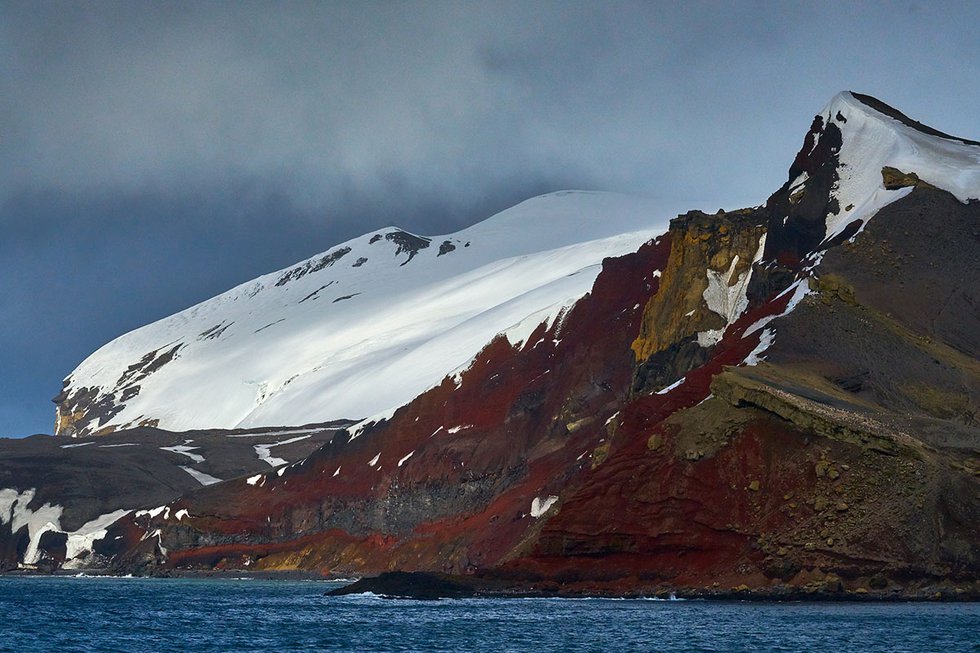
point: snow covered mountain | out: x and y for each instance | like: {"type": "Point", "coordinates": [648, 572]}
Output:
{"type": "Point", "coordinates": [780, 399]}
{"type": "Point", "coordinates": [360, 329]}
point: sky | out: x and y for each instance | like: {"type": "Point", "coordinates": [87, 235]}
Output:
{"type": "Point", "coordinates": [155, 154]}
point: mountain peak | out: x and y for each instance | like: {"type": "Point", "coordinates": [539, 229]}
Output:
{"type": "Point", "coordinates": [849, 146]}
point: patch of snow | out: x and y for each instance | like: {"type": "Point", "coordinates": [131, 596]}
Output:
{"type": "Point", "coordinates": [8, 498]}
{"type": "Point", "coordinates": [153, 513]}
{"type": "Point", "coordinates": [710, 396]}
{"type": "Point", "coordinates": [673, 385]}
{"type": "Point", "coordinates": [38, 522]}
{"type": "Point", "coordinates": [407, 456]}
{"type": "Point", "coordinates": [800, 180]}
{"type": "Point", "coordinates": [121, 444]}
{"type": "Point", "coordinates": [184, 450]}
{"type": "Point", "coordinates": [612, 417]}
{"type": "Point", "coordinates": [456, 429]}
{"type": "Point", "coordinates": [765, 341]}
{"type": "Point", "coordinates": [800, 289]}
{"type": "Point", "coordinates": [201, 477]}
{"type": "Point", "coordinates": [264, 451]}
{"type": "Point", "coordinates": [252, 480]}
{"type": "Point", "coordinates": [81, 542]}
{"type": "Point", "coordinates": [159, 535]}
{"type": "Point", "coordinates": [75, 446]}
{"type": "Point", "coordinates": [374, 461]}
{"type": "Point", "coordinates": [337, 473]}
{"type": "Point", "coordinates": [726, 295]}
{"type": "Point", "coordinates": [540, 506]}
{"type": "Point", "coordinates": [358, 428]}
{"type": "Point", "coordinates": [518, 334]}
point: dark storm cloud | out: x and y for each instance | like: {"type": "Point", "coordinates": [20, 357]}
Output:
{"type": "Point", "coordinates": [153, 154]}
{"type": "Point", "coordinates": [316, 101]}
{"type": "Point", "coordinates": [307, 98]}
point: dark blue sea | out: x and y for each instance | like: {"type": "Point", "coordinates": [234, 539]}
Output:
{"type": "Point", "coordinates": [129, 614]}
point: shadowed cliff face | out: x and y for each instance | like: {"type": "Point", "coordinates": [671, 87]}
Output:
{"type": "Point", "coordinates": [796, 213]}
{"type": "Point", "coordinates": [738, 403]}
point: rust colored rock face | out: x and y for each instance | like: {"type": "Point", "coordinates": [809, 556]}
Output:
{"type": "Point", "coordinates": [473, 458]}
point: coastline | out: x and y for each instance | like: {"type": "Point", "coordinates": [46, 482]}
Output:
{"type": "Point", "coordinates": [190, 574]}
{"type": "Point", "coordinates": [425, 585]}
{"type": "Point", "coordinates": [436, 586]}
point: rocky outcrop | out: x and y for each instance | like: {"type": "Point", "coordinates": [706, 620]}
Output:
{"type": "Point", "coordinates": [407, 243]}
{"type": "Point", "coordinates": [893, 179]}
{"type": "Point", "coordinates": [818, 412]}
{"type": "Point", "coordinates": [702, 289]}
{"type": "Point", "coordinates": [313, 265]}
{"type": "Point", "coordinates": [78, 412]}
{"type": "Point", "coordinates": [81, 411]}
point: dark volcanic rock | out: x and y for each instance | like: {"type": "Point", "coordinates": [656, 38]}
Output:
{"type": "Point", "coordinates": [412, 585]}
{"type": "Point", "coordinates": [313, 266]}
{"type": "Point", "coordinates": [407, 242]}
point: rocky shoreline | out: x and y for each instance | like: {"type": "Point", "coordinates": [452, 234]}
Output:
{"type": "Point", "coordinates": [420, 585]}
{"type": "Point", "coordinates": [218, 574]}
{"type": "Point", "coordinates": [434, 586]}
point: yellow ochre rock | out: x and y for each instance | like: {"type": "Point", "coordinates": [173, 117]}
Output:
{"type": "Point", "coordinates": [699, 243]}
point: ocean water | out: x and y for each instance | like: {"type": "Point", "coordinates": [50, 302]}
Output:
{"type": "Point", "coordinates": [129, 615]}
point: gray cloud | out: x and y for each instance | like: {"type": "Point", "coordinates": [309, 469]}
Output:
{"type": "Point", "coordinates": [153, 154]}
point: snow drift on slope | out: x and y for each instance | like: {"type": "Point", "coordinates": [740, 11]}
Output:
{"type": "Point", "coordinates": [366, 326]}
